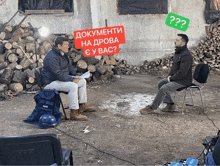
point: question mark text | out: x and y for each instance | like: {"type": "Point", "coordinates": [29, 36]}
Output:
{"type": "Point", "coordinates": [172, 19]}
{"type": "Point", "coordinates": [183, 23]}
{"type": "Point", "coordinates": [177, 21]}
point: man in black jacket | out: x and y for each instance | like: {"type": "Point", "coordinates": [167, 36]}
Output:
{"type": "Point", "coordinates": [57, 74]}
{"type": "Point", "coordinates": [180, 75]}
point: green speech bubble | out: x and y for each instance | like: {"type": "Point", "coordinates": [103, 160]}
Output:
{"type": "Point", "coordinates": [177, 22]}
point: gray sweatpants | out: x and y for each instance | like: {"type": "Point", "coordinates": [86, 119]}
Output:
{"type": "Point", "coordinates": [163, 95]}
{"type": "Point", "coordinates": [76, 92]}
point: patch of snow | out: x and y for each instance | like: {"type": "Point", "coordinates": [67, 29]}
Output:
{"type": "Point", "coordinates": [128, 104]}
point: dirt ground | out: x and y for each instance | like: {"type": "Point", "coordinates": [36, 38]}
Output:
{"type": "Point", "coordinates": [119, 135]}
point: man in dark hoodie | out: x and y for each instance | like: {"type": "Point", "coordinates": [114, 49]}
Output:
{"type": "Point", "coordinates": [57, 74]}
{"type": "Point", "coordinates": [180, 75]}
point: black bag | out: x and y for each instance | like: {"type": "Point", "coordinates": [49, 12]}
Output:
{"type": "Point", "coordinates": [201, 73]}
{"type": "Point", "coordinates": [47, 102]}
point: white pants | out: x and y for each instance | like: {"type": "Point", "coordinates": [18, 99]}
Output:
{"type": "Point", "coordinates": [76, 91]}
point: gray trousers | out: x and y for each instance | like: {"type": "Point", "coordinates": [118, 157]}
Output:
{"type": "Point", "coordinates": [76, 92]}
{"type": "Point", "coordinates": [163, 95]}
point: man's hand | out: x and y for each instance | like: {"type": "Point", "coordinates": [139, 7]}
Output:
{"type": "Point", "coordinates": [76, 80]}
{"type": "Point", "coordinates": [168, 78]}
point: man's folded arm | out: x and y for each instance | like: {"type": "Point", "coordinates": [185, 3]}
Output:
{"type": "Point", "coordinates": [54, 69]}
{"type": "Point", "coordinates": [185, 65]}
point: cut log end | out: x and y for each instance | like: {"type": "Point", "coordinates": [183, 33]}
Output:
{"type": "Point", "coordinates": [16, 87]}
{"type": "Point", "coordinates": [31, 80]}
{"type": "Point", "coordinates": [92, 68]}
{"type": "Point", "coordinates": [3, 87]}
{"type": "Point", "coordinates": [8, 46]}
{"type": "Point", "coordinates": [82, 64]}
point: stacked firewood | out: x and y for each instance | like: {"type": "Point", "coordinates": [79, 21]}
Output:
{"type": "Point", "coordinates": [18, 58]}
{"type": "Point", "coordinates": [22, 50]}
{"type": "Point", "coordinates": [157, 67]}
{"type": "Point", "coordinates": [207, 51]}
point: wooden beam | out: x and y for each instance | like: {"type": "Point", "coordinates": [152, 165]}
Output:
{"type": "Point", "coordinates": [45, 11]}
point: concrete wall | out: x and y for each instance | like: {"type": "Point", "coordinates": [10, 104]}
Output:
{"type": "Point", "coordinates": [147, 36]}
{"type": "Point", "coordinates": [57, 23]}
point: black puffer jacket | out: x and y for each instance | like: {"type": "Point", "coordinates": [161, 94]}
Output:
{"type": "Point", "coordinates": [181, 70]}
{"type": "Point", "coordinates": [57, 67]}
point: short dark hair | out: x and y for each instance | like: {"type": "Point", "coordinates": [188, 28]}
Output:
{"type": "Point", "coordinates": [60, 40]}
{"type": "Point", "coordinates": [184, 38]}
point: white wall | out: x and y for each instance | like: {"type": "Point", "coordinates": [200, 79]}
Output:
{"type": "Point", "coordinates": [147, 36]}
{"type": "Point", "coordinates": [57, 23]}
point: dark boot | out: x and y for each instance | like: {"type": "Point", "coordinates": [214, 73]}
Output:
{"type": "Point", "coordinates": [169, 108]}
{"type": "Point", "coordinates": [85, 108]}
{"type": "Point", "coordinates": [74, 115]}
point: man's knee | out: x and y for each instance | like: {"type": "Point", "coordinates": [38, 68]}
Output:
{"type": "Point", "coordinates": [83, 81]}
{"type": "Point", "coordinates": [50, 86]}
{"type": "Point", "coordinates": [161, 83]}
{"type": "Point", "coordinates": [164, 88]}
{"type": "Point", "coordinates": [73, 85]}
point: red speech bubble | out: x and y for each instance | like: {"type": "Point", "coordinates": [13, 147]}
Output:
{"type": "Point", "coordinates": [100, 41]}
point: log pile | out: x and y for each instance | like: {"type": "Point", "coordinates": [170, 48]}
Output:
{"type": "Point", "coordinates": [207, 51]}
{"type": "Point", "coordinates": [102, 70]}
{"type": "Point", "coordinates": [18, 59]}
{"type": "Point", "coordinates": [157, 67]}
{"type": "Point", "coordinates": [22, 50]}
